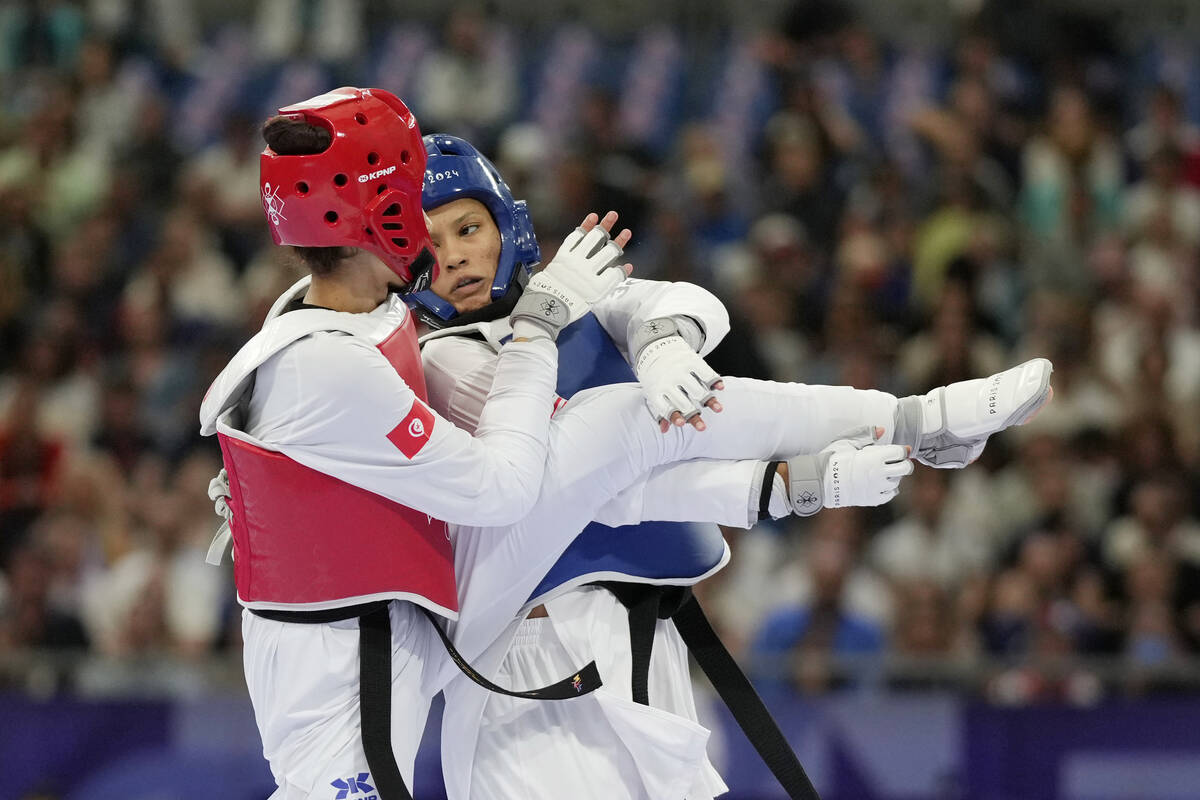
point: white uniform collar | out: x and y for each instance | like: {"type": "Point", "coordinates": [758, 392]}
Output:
{"type": "Point", "coordinates": [280, 330]}
{"type": "Point", "coordinates": [494, 332]}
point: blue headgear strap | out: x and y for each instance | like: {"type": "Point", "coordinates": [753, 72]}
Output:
{"type": "Point", "coordinates": [455, 169]}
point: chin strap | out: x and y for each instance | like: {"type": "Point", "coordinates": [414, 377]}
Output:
{"type": "Point", "coordinates": [496, 309]}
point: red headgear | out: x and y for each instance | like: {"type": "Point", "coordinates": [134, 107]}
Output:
{"type": "Point", "coordinates": [364, 190]}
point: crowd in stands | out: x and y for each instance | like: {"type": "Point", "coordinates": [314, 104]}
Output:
{"type": "Point", "coordinates": [873, 213]}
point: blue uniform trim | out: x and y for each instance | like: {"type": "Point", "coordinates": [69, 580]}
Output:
{"type": "Point", "coordinates": [651, 552]}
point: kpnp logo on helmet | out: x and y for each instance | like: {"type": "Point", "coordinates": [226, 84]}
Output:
{"type": "Point", "coordinates": [379, 173]}
{"type": "Point", "coordinates": [272, 203]}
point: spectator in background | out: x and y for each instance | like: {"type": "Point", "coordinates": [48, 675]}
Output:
{"type": "Point", "coordinates": [149, 161]}
{"type": "Point", "coordinates": [57, 358]}
{"type": "Point", "coordinates": [952, 344]}
{"type": "Point", "coordinates": [109, 103]}
{"type": "Point", "coordinates": [1009, 624]}
{"type": "Point", "coordinates": [195, 596]}
{"type": "Point", "coordinates": [1159, 522]}
{"type": "Point", "coordinates": [918, 209]}
{"type": "Point", "coordinates": [1083, 398]}
{"type": "Point", "coordinates": [622, 176]}
{"type": "Point", "coordinates": [188, 273]}
{"type": "Point", "coordinates": [773, 282]}
{"type": "Point", "coordinates": [858, 82]}
{"type": "Point", "coordinates": [1072, 177]}
{"type": "Point", "coordinates": [962, 137]}
{"type": "Point", "coordinates": [168, 27]}
{"type": "Point", "coordinates": [40, 35]}
{"type": "Point", "coordinates": [1150, 586]}
{"type": "Point", "coordinates": [800, 644]}
{"type": "Point", "coordinates": [223, 187]}
{"type": "Point", "coordinates": [468, 87]}
{"type": "Point", "coordinates": [928, 543]}
{"type": "Point", "coordinates": [122, 434]}
{"type": "Point", "coordinates": [30, 463]}
{"type": "Point", "coordinates": [706, 187]}
{"type": "Point", "coordinates": [66, 180]}
{"type": "Point", "coordinates": [164, 377]}
{"type": "Point", "coordinates": [1039, 484]}
{"type": "Point", "coordinates": [798, 179]}
{"type": "Point", "coordinates": [1163, 127]}
{"type": "Point", "coordinates": [1162, 208]}
{"type": "Point", "coordinates": [27, 618]}
{"type": "Point", "coordinates": [328, 30]}
{"type": "Point", "coordinates": [926, 633]}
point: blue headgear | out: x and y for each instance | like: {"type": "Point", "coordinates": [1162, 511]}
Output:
{"type": "Point", "coordinates": [455, 169]}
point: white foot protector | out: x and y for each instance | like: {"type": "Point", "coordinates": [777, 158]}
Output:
{"type": "Point", "coordinates": [956, 420]}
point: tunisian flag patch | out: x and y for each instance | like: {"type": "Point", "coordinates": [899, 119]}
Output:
{"type": "Point", "coordinates": [414, 430]}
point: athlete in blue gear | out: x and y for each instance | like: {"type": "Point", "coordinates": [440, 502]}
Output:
{"type": "Point", "coordinates": [636, 737]}
{"type": "Point", "coordinates": [457, 170]}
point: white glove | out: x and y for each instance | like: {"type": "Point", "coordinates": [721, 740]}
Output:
{"type": "Point", "coordinates": [584, 271]}
{"type": "Point", "coordinates": [673, 376]}
{"type": "Point", "coordinates": [218, 492]}
{"type": "Point", "coordinates": [948, 427]}
{"type": "Point", "coordinates": [852, 471]}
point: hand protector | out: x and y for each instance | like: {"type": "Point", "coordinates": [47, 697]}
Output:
{"type": "Point", "coordinates": [673, 376]}
{"type": "Point", "coordinates": [853, 471]}
{"type": "Point", "coordinates": [948, 427]}
{"type": "Point", "coordinates": [218, 492]}
{"type": "Point", "coordinates": [584, 271]}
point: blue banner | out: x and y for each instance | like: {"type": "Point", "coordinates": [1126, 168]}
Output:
{"type": "Point", "coordinates": [855, 747]}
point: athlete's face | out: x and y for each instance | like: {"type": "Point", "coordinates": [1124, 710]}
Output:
{"type": "Point", "coordinates": [467, 244]}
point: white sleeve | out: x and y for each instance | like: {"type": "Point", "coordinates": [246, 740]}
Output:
{"type": "Point", "coordinates": [459, 372]}
{"type": "Point", "coordinates": [635, 301]}
{"type": "Point", "coordinates": [724, 492]}
{"type": "Point", "coordinates": [334, 403]}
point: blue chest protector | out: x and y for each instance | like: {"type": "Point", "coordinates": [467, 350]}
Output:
{"type": "Point", "coordinates": [669, 553]}
{"type": "Point", "coordinates": [666, 554]}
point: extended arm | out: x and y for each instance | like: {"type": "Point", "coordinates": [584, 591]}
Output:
{"type": "Point", "coordinates": [379, 436]}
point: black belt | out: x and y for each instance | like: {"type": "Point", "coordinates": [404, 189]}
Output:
{"type": "Point", "coordinates": [375, 682]}
{"type": "Point", "coordinates": [647, 605]}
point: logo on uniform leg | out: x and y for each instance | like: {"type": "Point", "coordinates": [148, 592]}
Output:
{"type": "Point", "coordinates": [354, 785]}
{"type": "Point", "coordinates": [414, 430]}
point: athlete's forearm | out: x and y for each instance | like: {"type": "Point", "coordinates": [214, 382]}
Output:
{"type": "Point", "coordinates": [515, 422]}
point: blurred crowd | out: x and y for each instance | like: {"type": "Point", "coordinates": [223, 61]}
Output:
{"type": "Point", "coordinates": [873, 213]}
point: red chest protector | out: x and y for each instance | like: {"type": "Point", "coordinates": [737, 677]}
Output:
{"type": "Point", "coordinates": [304, 540]}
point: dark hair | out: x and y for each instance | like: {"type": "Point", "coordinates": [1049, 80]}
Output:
{"type": "Point", "coordinates": [295, 137]}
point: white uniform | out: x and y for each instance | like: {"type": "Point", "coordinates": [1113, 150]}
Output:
{"type": "Point", "coordinates": [605, 745]}
{"type": "Point", "coordinates": [329, 402]}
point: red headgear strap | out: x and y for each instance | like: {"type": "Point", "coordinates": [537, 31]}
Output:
{"type": "Point", "coordinates": [364, 190]}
